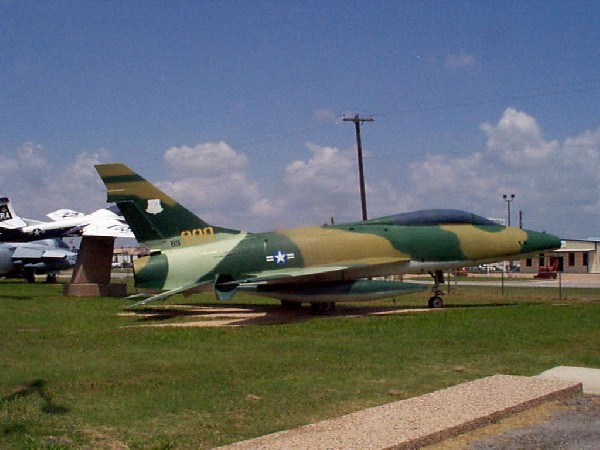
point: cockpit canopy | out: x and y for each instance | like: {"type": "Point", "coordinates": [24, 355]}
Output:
{"type": "Point", "coordinates": [433, 217]}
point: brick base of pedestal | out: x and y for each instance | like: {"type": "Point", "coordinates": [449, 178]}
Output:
{"type": "Point", "coordinates": [91, 275]}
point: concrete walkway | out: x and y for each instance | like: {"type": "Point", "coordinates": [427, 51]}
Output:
{"type": "Point", "coordinates": [590, 378]}
{"type": "Point", "coordinates": [423, 420]}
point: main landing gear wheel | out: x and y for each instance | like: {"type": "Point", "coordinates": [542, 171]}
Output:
{"type": "Point", "coordinates": [30, 276]}
{"type": "Point", "coordinates": [436, 302]}
{"type": "Point", "coordinates": [51, 278]}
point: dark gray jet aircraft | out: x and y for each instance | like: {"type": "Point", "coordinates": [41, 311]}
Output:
{"type": "Point", "coordinates": [26, 259]}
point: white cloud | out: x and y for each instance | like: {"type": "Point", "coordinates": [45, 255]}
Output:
{"type": "Point", "coordinates": [329, 168]}
{"type": "Point", "coordinates": [582, 153]}
{"type": "Point", "coordinates": [553, 182]}
{"type": "Point", "coordinates": [459, 60]}
{"type": "Point", "coordinates": [517, 140]}
{"type": "Point", "coordinates": [210, 178]}
{"type": "Point", "coordinates": [28, 159]}
{"type": "Point", "coordinates": [324, 186]}
{"type": "Point", "coordinates": [441, 180]}
{"type": "Point", "coordinates": [211, 159]}
{"type": "Point", "coordinates": [78, 186]}
{"type": "Point", "coordinates": [578, 172]}
{"type": "Point", "coordinates": [37, 185]}
{"type": "Point", "coordinates": [557, 184]}
{"type": "Point", "coordinates": [32, 156]}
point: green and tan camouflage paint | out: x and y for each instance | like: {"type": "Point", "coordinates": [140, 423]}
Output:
{"type": "Point", "coordinates": [187, 251]}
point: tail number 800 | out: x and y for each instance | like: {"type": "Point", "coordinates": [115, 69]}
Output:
{"type": "Point", "coordinates": [197, 235]}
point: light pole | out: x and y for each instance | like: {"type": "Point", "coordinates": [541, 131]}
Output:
{"type": "Point", "coordinates": [508, 199]}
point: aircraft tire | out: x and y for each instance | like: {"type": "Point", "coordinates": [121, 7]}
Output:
{"type": "Point", "coordinates": [51, 278]}
{"type": "Point", "coordinates": [30, 276]}
{"type": "Point", "coordinates": [436, 302]}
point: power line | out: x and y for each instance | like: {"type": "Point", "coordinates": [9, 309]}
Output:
{"type": "Point", "coordinates": [284, 134]}
{"type": "Point", "coordinates": [536, 92]}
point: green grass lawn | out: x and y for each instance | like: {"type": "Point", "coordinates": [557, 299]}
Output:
{"type": "Point", "coordinates": [72, 374]}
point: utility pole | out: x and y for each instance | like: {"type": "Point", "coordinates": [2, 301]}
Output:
{"type": "Point", "coordinates": [520, 219]}
{"type": "Point", "coordinates": [361, 176]}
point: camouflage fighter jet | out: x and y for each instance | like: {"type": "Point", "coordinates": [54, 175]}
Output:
{"type": "Point", "coordinates": [319, 265]}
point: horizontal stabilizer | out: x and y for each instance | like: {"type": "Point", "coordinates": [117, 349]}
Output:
{"type": "Point", "coordinates": [167, 294]}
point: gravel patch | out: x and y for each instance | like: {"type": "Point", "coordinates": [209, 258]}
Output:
{"type": "Point", "coordinates": [423, 420]}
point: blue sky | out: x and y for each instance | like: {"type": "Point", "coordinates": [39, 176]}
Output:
{"type": "Point", "coordinates": [235, 107]}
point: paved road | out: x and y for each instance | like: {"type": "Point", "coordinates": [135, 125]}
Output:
{"type": "Point", "coordinates": [574, 427]}
{"type": "Point", "coordinates": [567, 280]}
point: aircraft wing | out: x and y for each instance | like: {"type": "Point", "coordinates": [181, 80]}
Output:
{"type": "Point", "coordinates": [353, 268]}
{"type": "Point", "coordinates": [12, 223]}
{"type": "Point", "coordinates": [107, 227]}
{"type": "Point", "coordinates": [102, 222]}
{"type": "Point", "coordinates": [64, 213]}
{"type": "Point", "coordinates": [22, 253]}
{"type": "Point", "coordinates": [64, 227]}
{"type": "Point", "coordinates": [293, 275]}
{"type": "Point", "coordinates": [27, 253]}
{"type": "Point", "coordinates": [105, 222]}
{"type": "Point", "coordinates": [56, 253]}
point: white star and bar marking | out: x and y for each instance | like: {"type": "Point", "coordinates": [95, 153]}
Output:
{"type": "Point", "coordinates": [280, 257]}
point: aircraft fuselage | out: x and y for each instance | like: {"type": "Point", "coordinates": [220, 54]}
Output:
{"type": "Point", "coordinates": [393, 249]}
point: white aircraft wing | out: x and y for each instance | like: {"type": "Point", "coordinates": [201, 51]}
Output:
{"type": "Point", "coordinates": [106, 223]}
{"type": "Point", "coordinates": [64, 213]}
{"type": "Point", "coordinates": [102, 222]}
{"type": "Point", "coordinates": [110, 228]}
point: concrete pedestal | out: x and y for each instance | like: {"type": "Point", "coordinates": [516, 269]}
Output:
{"type": "Point", "coordinates": [91, 276]}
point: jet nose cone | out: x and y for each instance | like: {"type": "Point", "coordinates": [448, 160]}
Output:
{"type": "Point", "coordinates": [537, 242]}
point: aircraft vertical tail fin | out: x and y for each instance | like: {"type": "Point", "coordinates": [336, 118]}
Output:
{"type": "Point", "coordinates": [8, 217]}
{"type": "Point", "coordinates": [152, 215]}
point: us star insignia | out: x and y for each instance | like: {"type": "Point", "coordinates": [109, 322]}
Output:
{"type": "Point", "coordinates": [280, 257]}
